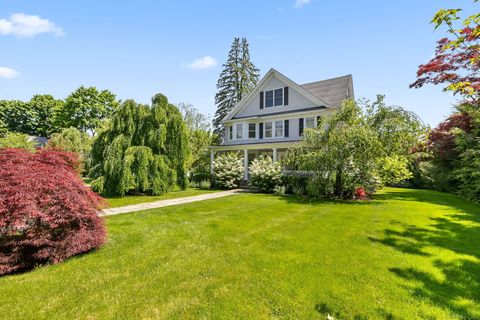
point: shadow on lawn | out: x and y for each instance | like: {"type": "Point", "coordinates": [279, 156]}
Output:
{"type": "Point", "coordinates": [458, 230]}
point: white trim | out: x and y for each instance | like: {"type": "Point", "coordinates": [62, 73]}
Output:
{"type": "Point", "coordinates": [255, 146]}
{"type": "Point", "coordinates": [302, 114]}
{"type": "Point", "coordinates": [288, 83]}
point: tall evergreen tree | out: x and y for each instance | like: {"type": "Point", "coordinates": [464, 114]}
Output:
{"type": "Point", "coordinates": [238, 77]}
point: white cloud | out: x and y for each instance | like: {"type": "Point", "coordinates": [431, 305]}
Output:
{"type": "Point", "coordinates": [202, 63]}
{"type": "Point", "coordinates": [7, 73]}
{"type": "Point", "coordinates": [24, 25]}
{"type": "Point", "coordinates": [301, 3]}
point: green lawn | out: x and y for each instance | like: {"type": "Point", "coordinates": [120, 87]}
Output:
{"type": "Point", "coordinates": [408, 254]}
{"type": "Point", "coordinates": [127, 200]}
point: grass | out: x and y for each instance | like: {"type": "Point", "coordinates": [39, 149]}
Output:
{"type": "Point", "coordinates": [135, 199]}
{"type": "Point", "coordinates": [409, 254]}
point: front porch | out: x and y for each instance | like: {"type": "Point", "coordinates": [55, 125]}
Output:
{"type": "Point", "coordinates": [275, 150]}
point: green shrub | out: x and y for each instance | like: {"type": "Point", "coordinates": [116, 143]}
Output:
{"type": "Point", "coordinates": [73, 140]}
{"type": "Point", "coordinates": [295, 182]}
{"type": "Point", "coordinates": [227, 170]}
{"type": "Point", "coordinates": [205, 184]}
{"type": "Point", "coordinates": [280, 190]}
{"type": "Point", "coordinates": [394, 169]}
{"type": "Point", "coordinates": [265, 174]}
{"type": "Point", "coordinates": [16, 140]}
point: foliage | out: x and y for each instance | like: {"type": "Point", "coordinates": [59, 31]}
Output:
{"type": "Point", "coordinates": [227, 170]}
{"type": "Point", "coordinates": [394, 169]}
{"type": "Point", "coordinates": [47, 214]}
{"type": "Point", "coordinates": [205, 184]}
{"type": "Point", "coordinates": [397, 129]}
{"type": "Point", "coordinates": [17, 116]}
{"type": "Point", "coordinates": [449, 161]}
{"type": "Point", "coordinates": [36, 117]}
{"type": "Point", "coordinates": [238, 77]}
{"type": "Point", "coordinates": [86, 108]}
{"type": "Point", "coordinates": [342, 150]}
{"type": "Point", "coordinates": [16, 140]}
{"type": "Point", "coordinates": [141, 150]}
{"type": "Point", "coordinates": [279, 190]}
{"type": "Point", "coordinates": [45, 109]}
{"type": "Point", "coordinates": [265, 174]}
{"type": "Point", "coordinates": [72, 140]}
{"type": "Point", "coordinates": [456, 63]}
{"type": "Point", "coordinates": [349, 149]}
{"type": "Point", "coordinates": [199, 138]}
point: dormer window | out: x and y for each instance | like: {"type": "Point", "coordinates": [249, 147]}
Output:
{"type": "Point", "coordinates": [274, 98]}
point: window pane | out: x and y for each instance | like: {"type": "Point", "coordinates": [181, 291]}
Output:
{"type": "Point", "coordinates": [310, 122]}
{"type": "Point", "coordinates": [278, 97]}
{"type": "Point", "coordinates": [278, 128]}
{"type": "Point", "coordinates": [239, 131]}
{"type": "Point", "coordinates": [269, 98]}
{"type": "Point", "coordinates": [268, 129]}
{"type": "Point", "coordinates": [252, 130]}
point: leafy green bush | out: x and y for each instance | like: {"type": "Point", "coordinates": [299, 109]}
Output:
{"type": "Point", "coordinates": [16, 140]}
{"type": "Point", "coordinates": [73, 140]}
{"type": "Point", "coordinates": [265, 174]}
{"type": "Point", "coordinates": [279, 190]}
{"type": "Point", "coordinates": [205, 184]}
{"type": "Point", "coordinates": [227, 170]}
{"type": "Point", "coordinates": [394, 169]}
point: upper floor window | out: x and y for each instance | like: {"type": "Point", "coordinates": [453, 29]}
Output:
{"type": "Point", "coordinates": [274, 98]}
{"type": "Point", "coordinates": [268, 129]}
{"type": "Point", "coordinates": [310, 122]}
{"type": "Point", "coordinates": [278, 129]}
{"type": "Point", "coordinates": [252, 130]}
{"type": "Point", "coordinates": [230, 132]}
{"type": "Point", "coordinates": [239, 131]}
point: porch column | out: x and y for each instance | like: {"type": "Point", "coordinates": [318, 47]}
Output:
{"type": "Point", "coordinates": [212, 157]}
{"type": "Point", "coordinates": [245, 164]}
{"type": "Point", "coordinates": [274, 155]}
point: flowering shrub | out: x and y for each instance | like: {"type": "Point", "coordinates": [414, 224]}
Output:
{"type": "Point", "coordinates": [265, 174]}
{"type": "Point", "coordinates": [227, 170]}
{"type": "Point", "coordinates": [361, 194]}
{"type": "Point", "coordinates": [47, 214]}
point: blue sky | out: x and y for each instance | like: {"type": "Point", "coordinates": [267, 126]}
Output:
{"type": "Point", "coordinates": [139, 48]}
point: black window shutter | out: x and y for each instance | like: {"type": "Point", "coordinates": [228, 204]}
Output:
{"type": "Point", "coordinates": [260, 128]}
{"type": "Point", "coordinates": [285, 96]}
{"type": "Point", "coordinates": [300, 126]}
{"type": "Point", "coordinates": [287, 128]}
{"type": "Point", "coordinates": [261, 99]}
{"type": "Point", "coordinates": [318, 120]}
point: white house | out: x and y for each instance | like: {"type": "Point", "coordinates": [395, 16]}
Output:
{"type": "Point", "coordinates": [272, 117]}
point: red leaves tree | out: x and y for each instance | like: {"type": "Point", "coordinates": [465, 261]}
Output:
{"type": "Point", "coordinates": [457, 58]}
{"type": "Point", "coordinates": [47, 214]}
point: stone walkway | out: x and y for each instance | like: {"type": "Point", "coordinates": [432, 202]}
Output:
{"type": "Point", "coordinates": [168, 202]}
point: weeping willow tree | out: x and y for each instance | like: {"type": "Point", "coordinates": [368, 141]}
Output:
{"type": "Point", "coordinates": [141, 149]}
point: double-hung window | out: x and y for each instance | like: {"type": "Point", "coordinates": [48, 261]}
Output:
{"type": "Point", "coordinates": [310, 122]}
{"type": "Point", "coordinates": [278, 94]}
{"type": "Point", "coordinates": [274, 98]}
{"type": "Point", "coordinates": [268, 129]}
{"type": "Point", "coordinates": [239, 131]}
{"type": "Point", "coordinates": [279, 129]}
{"type": "Point", "coordinates": [252, 130]}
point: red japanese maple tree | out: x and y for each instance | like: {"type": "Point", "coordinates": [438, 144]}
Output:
{"type": "Point", "coordinates": [47, 214]}
{"type": "Point", "coordinates": [456, 62]}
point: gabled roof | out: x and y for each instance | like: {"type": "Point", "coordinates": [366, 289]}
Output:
{"type": "Point", "coordinates": [270, 74]}
{"type": "Point", "coordinates": [334, 90]}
